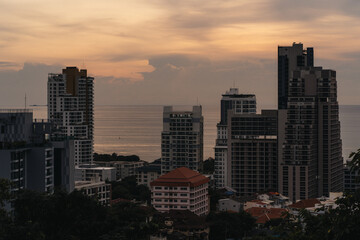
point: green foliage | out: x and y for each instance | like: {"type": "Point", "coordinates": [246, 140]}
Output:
{"type": "Point", "coordinates": [208, 166]}
{"type": "Point", "coordinates": [73, 216]}
{"type": "Point", "coordinates": [225, 225]}
{"type": "Point", "coordinates": [128, 189]}
{"type": "Point", "coordinates": [214, 198]}
{"type": "Point", "coordinates": [5, 195]}
{"type": "Point", "coordinates": [114, 157]}
{"type": "Point", "coordinates": [355, 162]}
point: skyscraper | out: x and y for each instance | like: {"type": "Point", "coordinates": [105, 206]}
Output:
{"type": "Point", "coordinates": [240, 104]}
{"type": "Point", "coordinates": [289, 59]}
{"type": "Point", "coordinates": [182, 139]}
{"type": "Point", "coordinates": [310, 148]}
{"type": "Point", "coordinates": [70, 109]}
{"type": "Point", "coordinates": [252, 156]}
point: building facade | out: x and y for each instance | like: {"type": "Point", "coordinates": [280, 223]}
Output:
{"type": "Point", "coordinates": [350, 179]}
{"type": "Point", "coordinates": [240, 104]}
{"type": "Point", "coordinates": [181, 189]}
{"type": "Point", "coordinates": [148, 173]}
{"type": "Point", "coordinates": [182, 139]}
{"type": "Point", "coordinates": [311, 163]}
{"type": "Point", "coordinates": [26, 157]}
{"type": "Point", "coordinates": [70, 109]}
{"type": "Point", "coordinates": [123, 168]}
{"type": "Point", "coordinates": [100, 190]}
{"type": "Point", "coordinates": [92, 172]}
{"type": "Point", "coordinates": [252, 156]}
{"type": "Point", "coordinates": [289, 59]}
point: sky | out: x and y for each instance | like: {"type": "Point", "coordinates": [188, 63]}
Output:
{"type": "Point", "coordinates": [165, 52]}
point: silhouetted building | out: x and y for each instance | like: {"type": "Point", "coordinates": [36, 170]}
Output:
{"type": "Point", "coordinates": [70, 109]}
{"type": "Point", "coordinates": [310, 148]}
{"type": "Point", "coordinates": [182, 139]}
{"type": "Point", "coordinates": [26, 156]}
{"type": "Point", "coordinates": [252, 156]}
{"type": "Point", "coordinates": [239, 104]}
{"type": "Point", "coordinates": [289, 59]}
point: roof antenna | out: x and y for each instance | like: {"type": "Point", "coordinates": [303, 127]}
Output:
{"type": "Point", "coordinates": [25, 100]}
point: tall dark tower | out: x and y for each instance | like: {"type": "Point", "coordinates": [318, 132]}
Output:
{"type": "Point", "coordinates": [310, 148]}
{"type": "Point", "coordinates": [290, 58]}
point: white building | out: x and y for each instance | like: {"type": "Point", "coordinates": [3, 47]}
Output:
{"type": "Point", "coordinates": [100, 190]}
{"type": "Point", "coordinates": [241, 104]}
{"type": "Point", "coordinates": [87, 172]}
{"type": "Point", "coordinates": [123, 168]}
{"type": "Point", "coordinates": [149, 173]}
{"type": "Point", "coordinates": [70, 109]}
{"type": "Point", "coordinates": [181, 189]}
{"type": "Point", "coordinates": [229, 204]}
{"type": "Point", "coordinates": [182, 139]}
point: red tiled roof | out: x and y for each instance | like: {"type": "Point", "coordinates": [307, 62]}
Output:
{"type": "Point", "coordinates": [306, 203]}
{"type": "Point", "coordinates": [262, 215]}
{"type": "Point", "coordinates": [117, 200]}
{"type": "Point", "coordinates": [181, 177]}
{"type": "Point", "coordinates": [258, 201]}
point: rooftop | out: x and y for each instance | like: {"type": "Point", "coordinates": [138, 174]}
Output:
{"type": "Point", "coordinates": [181, 177]}
{"type": "Point", "coordinates": [262, 215]}
{"type": "Point", "coordinates": [306, 203]}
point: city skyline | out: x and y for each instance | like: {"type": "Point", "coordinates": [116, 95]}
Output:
{"type": "Point", "coordinates": [165, 51]}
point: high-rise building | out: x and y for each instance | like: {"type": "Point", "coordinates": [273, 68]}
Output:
{"type": "Point", "coordinates": [310, 153]}
{"type": "Point", "coordinates": [252, 156]}
{"type": "Point", "coordinates": [70, 109]}
{"type": "Point", "coordinates": [289, 59]}
{"type": "Point", "coordinates": [239, 104]}
{"type": "Point", "coordinates": [182, 139]}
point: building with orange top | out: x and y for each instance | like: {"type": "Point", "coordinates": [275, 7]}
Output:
{"type": "Point", "coordinates": [181, 189]}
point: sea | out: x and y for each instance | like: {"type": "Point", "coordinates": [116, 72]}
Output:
{"type": "Point", "coordinates": [136, 129]}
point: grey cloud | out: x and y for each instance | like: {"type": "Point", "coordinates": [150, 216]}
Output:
{"type": "Point", "coordinates": [195, 17]}
{"type": "Point", "coordinates": [181, 79]}
{"type": "Point", "coordinates": [7, 64]}
{"type": "Point", "coordinates": [31, 79]}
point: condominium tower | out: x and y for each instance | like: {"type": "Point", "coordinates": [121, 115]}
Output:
{"type": "Point", "coordinates": [289, 59]}
{"type": "Point", "coordinates": [239, 104]}
{"type": "Point", "coordinates": [310, 148]}
{"type": "Point", "coordinates": [70, 109]}
{"type": "Point", "coordinates": [182, 139]}
{"type": "Point", "coordinates": [252, 164]}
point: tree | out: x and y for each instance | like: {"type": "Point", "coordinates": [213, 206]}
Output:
{"type": "Point", "coordinates": [5, 196]}
{"type": "Point", "coordinates": [355, 163]}
{"type": "Point", "coordinates": [225, 225]}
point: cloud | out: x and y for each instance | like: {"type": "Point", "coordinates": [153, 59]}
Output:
{"type": "Point", "coordinates": [30, 79]}
{"type": "Point", "coordinates": [182, 79]}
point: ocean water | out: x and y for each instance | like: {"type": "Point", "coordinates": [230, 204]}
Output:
{"type": "Point", "coordinates": [128, 130]}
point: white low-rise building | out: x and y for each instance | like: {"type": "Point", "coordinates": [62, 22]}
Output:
{"type": "Point", "coordinates": [229, 205]}
{"type": "Point", "coordinates": [181, 189]}
{"type": "Point", "coordinates": [101, 190]}
{"type": "Point", "coordinates": [94, 173]}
